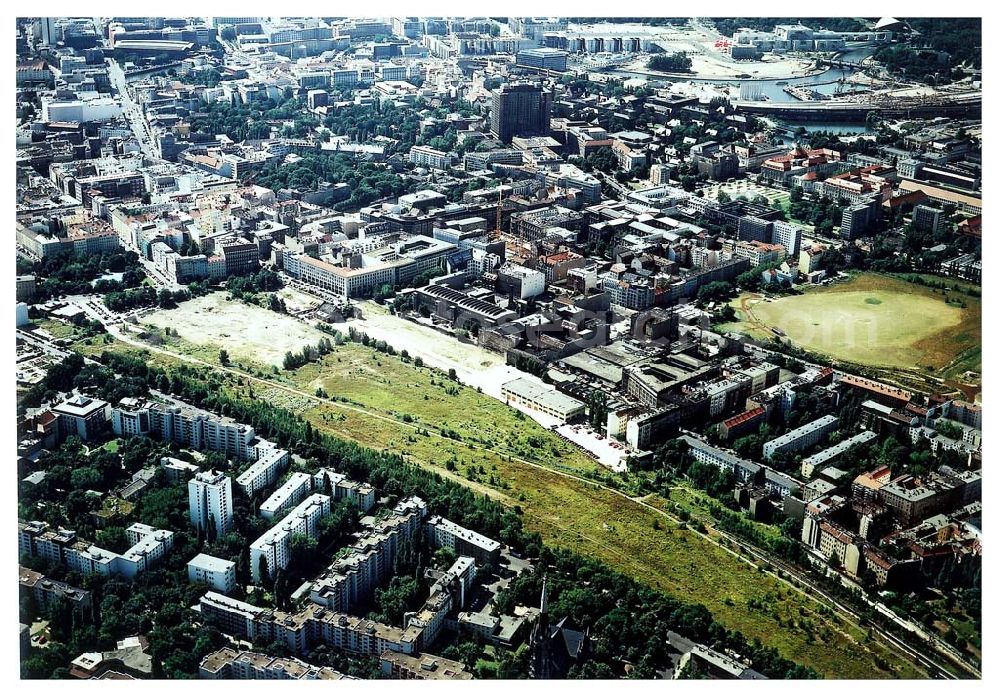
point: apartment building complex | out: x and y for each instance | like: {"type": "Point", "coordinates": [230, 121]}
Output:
{"type": "Point", "coordinates": [271, 551]}
{"type": "Point", "coordinates": [148, 545]}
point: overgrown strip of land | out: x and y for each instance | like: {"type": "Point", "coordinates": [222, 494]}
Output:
{"type": "Point", "coordinates": [539, 474]}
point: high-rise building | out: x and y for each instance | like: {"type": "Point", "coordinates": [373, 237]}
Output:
{"type": "Point", "coordinates": [47, 29]}
{"type": "Point", "coordinates": [520, 110]}
{"type": "Point", "coordinates": [210, 499]}
{"type": "Point", "coordinates": [927, 218]}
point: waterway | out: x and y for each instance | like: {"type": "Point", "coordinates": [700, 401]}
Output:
{"type": "Point", "coordinates": [827, 82]}
{"type": "Point", "coordinates": [773, 88]}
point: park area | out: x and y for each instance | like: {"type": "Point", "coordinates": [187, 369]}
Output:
{"type": "Point", "coordinates": [872, 320]}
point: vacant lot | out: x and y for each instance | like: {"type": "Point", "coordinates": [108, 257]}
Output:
{"type": "Point", "coordinates": [872, 320]}
{"type": "Point", "coordinates": [245, 331]}
{"type": "Point", "coordinates": [424, 397]}
{"type": "Point", "coordinates": [474, 365]}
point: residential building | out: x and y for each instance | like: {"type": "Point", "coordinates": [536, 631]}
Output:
{"type": "Point", "coordinates": [271, 551]}
{"type": "Point", "coordinates": [353, 576]}
{"type": "Point", "coordinates": [287, 495]}
{"type": "Point", "coordinates": [803, 437]}
{"type": "Point", "coordinates": [82, 416]}
{"type": "Point", "coordinates": [828, 455]}
{"type": "Point", "coordinates": [183, 424]}
{"type": "Point", "coordinates": [227, 664]}
{"type": "Point", "coordinates": [421, 666]}
{"type": "Point", "coordinates": [218, 574]}
{"type": "Point", "coordinates": [264, 472]}
{"type": "Point", "coordinates": [421, 155]}
{"type": "Point", "coordinates": [210, 501]}
{"type": "Point", "coordinates": [44, 590]}
{"type": "Point", "coordinates": [441, 532]}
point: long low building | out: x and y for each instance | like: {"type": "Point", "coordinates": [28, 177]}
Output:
{"type": "Point", "coordinates": [803, 437]}
{"type": "Point", "coordinates": [227, 664]}
{"type": "Point", "coordinates": [828, 455]}
{"type": "Point", "coordinates": [743, 470]}
{"type": "Point", "coordinates": [287, 495]}
{"type": "Point", "coordinates": [312, 626]}
{"type": "Point", "coordinates": [461, 309]}
{"type": "Point", "coordinates": [421, 666]}
{"type": "Point", "coordinates": [543, 398]}
{"type": "Point", "coordinates": [264, 472]}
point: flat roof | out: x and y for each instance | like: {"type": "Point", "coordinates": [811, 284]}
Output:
{"type": "Point", "coordinates": [542, 395]}
{"type": "Point", "coordinates": [209, 563]}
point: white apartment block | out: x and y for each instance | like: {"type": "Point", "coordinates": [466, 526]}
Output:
{"type": "Point", "coordinates": [287, 495]}
{"type": "Point", "coordinates": [803, 437]}
{"type": "Point", "coordinates": [421, 155]}
{"type": "Point", "coordinates": [352, 578]}
{"type": "Point", "coordinates": [149, 545]}
{"type": "Point", "coordinates": [441, 532]}
{"type": "Point", "coordinates": [264, 472]}
{"type": "Point", "coordinates": [218, 574]}
{"type": "Point", "coordinates": [273, 546]}
{"type": "Point", "coordinates": [210, 501]}
{"type": "Point", "coordinates": [188, 426]}
{"type": "Point", "coordinates": [362, 493]}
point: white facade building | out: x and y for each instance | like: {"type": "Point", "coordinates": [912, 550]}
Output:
{"type": "Point", "coordinates": [210, 500]}
{"type": "Point", "coordinates": [273, 546]}
{"type": "Point", "coordinates": [218, 574]}
{"type": "Point", "coordinates": [287, 495]}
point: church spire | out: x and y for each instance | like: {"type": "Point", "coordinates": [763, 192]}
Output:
{"type": "Point", "coordinates": [545, 597]}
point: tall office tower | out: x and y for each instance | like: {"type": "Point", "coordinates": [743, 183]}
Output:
{"type": "Point", "coordinates": [210, 499]}
{"type": "Point", "coordinates": [520, 110]}
{"type": "Point", "coordinates": [47, 27]}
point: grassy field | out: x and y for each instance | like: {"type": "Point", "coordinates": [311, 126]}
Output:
{"type": "Point", "coordinates": [519, 463]}
{"type": "Point", "coordinates": [873, 320]}
{"type": "Point", "coordinates": [425, 397]}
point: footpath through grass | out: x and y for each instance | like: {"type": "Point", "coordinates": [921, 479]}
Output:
{"type": "Point", "coordinates": [376, 397]}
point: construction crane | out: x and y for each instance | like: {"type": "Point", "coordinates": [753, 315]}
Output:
{"type": "Point", "coordinates": [495, 236]}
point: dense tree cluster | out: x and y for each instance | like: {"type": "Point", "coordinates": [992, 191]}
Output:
{"type": "Point", "coordinates": [254, 121]}
{"type": "Point", "coordinates": [309, 354]}
{"type": "Point", "coordinates": [144, 296]}
{"type": "Point", "coordinates": [729, 25]}
{"type": "Point", "coordinates": [675, 62]}
{"type": "Point", "coordinates": [628, 622]}
{"type": "Point", "coordinates": [75, 273]}
{"type": "Point", "coordinates": [368, 182]}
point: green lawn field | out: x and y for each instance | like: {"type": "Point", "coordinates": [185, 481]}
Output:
{"type": "Point", "coordinates": [872, 320]}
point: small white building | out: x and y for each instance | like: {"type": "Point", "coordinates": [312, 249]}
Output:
{"type": "Point", "coordinates": [218, 574]}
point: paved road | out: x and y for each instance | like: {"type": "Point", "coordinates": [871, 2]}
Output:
{"type": "Point", "coordinates": [130, 109]}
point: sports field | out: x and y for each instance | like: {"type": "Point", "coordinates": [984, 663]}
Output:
{"type": "Point", "coordinates": [872, 320]}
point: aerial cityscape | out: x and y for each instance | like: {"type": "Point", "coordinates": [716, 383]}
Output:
{"type": "Point", "coordinates": [477, 348]}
